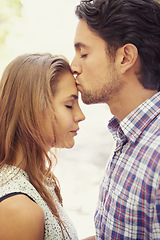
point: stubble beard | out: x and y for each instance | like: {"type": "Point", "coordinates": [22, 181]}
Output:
{"type": "Point", "coordinates": [104, 94]}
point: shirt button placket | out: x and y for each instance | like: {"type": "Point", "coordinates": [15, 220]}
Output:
{"type": "Point", "coordinates": [118, 153]}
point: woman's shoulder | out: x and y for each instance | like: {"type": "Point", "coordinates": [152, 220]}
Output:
{"type": "Point", "coordinates": [16, 180]}
{"type": "Point", "coordinates": [21, 218]}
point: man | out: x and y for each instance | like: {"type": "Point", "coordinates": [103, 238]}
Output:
{"type": "Point", "coordinates": [117, 62]}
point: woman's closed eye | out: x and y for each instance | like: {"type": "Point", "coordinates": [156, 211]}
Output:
{"type": "Point", "coordinates": [69, 106]}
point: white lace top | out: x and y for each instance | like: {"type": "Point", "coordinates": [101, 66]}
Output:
{"type": "Point", "coordinates": [17, 180]}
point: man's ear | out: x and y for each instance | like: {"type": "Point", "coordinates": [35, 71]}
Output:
{"type": "Point", "coordinates": [127, 57]}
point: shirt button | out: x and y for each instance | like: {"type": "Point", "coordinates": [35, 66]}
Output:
{"type": "Point", "coordinates": [118, 153]}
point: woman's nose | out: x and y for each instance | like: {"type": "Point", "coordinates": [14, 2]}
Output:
{"type": "Point", "coordinates": [79, 116]}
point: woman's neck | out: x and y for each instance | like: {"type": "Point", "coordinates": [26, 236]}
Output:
{"type": "Point", "coordinates": [19, 159]}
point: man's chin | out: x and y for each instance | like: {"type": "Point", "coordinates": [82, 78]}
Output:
{"type": "Point", "coordinates": [86, 99]}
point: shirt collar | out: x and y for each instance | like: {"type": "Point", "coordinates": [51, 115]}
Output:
{"type": "Point", "coordinates": [132, 126]}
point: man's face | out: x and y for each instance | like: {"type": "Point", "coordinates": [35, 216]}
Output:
{"type": "Point", "coordinates": [96, 73]}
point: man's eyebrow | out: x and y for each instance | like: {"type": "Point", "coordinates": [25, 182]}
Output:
{"type": "Point", "coordinates": [79, 45]}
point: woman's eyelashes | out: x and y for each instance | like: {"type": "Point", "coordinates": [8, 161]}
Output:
{"type": "Point", "coordinates": [69, 106]}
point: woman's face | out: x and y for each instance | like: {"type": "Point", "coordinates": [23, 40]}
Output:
{"type": "Point", "coordinates": [67, 111]}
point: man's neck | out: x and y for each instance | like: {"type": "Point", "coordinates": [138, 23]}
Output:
{"type": "Point", "coordinates": [121, 107]}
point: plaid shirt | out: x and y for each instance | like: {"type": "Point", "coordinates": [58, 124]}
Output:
{"type": "Point", "coordinates": [129, 198]}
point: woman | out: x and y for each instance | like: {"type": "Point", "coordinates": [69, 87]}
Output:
{"type": "Point", "coordinates": [38, 111]}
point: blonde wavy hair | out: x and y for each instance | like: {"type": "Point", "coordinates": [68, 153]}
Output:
{"type": "Point", "coordinates": [27, 87]}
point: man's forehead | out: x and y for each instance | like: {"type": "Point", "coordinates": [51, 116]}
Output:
{"type": "Point", "coordinates": [84, 36]}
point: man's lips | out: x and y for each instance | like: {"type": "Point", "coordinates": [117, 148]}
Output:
{"type": "Point", "coordinates": [76, 79]}
{"type": "Point", "coordinates": [78, 86]}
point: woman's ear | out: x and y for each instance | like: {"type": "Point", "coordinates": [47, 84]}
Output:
{"type": "Point", "coordinates": [127, 57]}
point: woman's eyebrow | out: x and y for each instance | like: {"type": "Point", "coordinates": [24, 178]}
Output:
{"type": "Point", "coordinates": [73, 96]}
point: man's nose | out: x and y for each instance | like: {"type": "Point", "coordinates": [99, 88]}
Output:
{"type": "Point", "coordinates": [75, 67]}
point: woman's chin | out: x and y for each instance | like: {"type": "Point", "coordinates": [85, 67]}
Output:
{"type": "Point", "coordinates": [69, 145]}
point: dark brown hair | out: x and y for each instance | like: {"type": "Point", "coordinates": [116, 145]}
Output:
{"type": "Point", "coordinates": [119, 22]}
